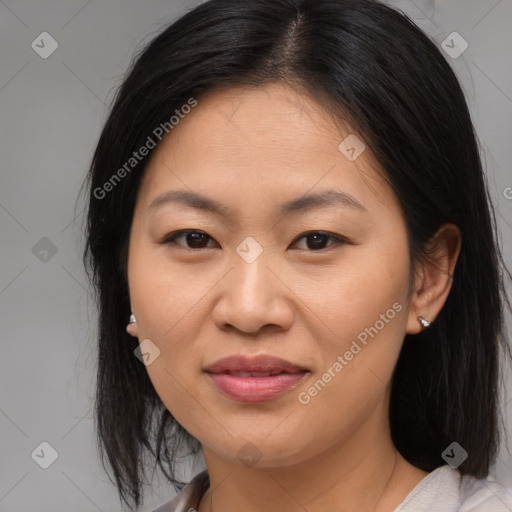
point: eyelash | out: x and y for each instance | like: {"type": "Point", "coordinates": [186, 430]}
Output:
{"type": "Point", "coordinates": [171, 237]}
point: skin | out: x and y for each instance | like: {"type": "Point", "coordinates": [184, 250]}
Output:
{"type": "Point", "coordinates": [253, 149]}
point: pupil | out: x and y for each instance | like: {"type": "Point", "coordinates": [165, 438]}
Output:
{"type": "Point", "coordinates": [194, 239]}
{"type": "Point", "coordinates": [318, 240]}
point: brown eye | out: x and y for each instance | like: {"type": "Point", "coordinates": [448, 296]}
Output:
{"type": "Point", "coordinates": [316, 240]}
{"type": "Point", "coordinates": [193, 238]}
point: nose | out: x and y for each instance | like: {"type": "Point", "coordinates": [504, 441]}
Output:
{"type": "Point", "coordinates": [253, 297]}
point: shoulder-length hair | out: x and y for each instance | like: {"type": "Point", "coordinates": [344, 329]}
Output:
{"type": "Point", "coordinates": [371, 65]}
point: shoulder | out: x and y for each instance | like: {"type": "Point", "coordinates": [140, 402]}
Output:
{"type": "Point", "coordinates": [445, 490]}
{"type": "Point", "coordinates": [484, 496]}
{"type": "Point", "coordinates": [189, 497]}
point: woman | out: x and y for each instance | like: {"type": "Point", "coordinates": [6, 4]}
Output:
{"type": "Point", "coordinates": [287, 203]}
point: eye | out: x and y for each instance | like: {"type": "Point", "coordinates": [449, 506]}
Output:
{"type": "Point", "coordinates": [196, 239]}
{"type": "Point", "coordinates": [315, 240]}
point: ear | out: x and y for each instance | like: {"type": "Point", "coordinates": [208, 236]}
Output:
{"type": "Point", "coordinates": [434, 277]}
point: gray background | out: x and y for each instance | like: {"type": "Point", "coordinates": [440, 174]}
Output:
{"type": "Point", "coordinates": [52, 112]}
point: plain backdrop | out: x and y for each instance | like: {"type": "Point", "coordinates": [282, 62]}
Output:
{"type": "Point", "coordinates": [52, 111]}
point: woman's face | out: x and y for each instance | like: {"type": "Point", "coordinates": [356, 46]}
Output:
{"type": "Point", "coordinates": [250, 280]}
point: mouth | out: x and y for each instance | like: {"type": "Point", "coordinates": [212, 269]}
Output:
{"type": "Point", "coordinates": [255, 379]}
{"type": "Point", "coordinates": [261, 364]}
{"type": "Point", "coordinates": [254, 374]}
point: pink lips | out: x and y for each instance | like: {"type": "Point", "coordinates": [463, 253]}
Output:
{"type": "Point", "coordinates": [255, 379]}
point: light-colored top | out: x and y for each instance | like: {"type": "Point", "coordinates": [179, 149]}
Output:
{"type": "Point", "coordinates": [442, 490]}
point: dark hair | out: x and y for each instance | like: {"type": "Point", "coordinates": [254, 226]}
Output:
{"type": "Point", "coordinates": [370, 65]}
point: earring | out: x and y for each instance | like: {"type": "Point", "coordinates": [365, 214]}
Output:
{"type": "Point", "coordinates": [424, 323]}
{"type": "Point", "coordinates": [130, 322]}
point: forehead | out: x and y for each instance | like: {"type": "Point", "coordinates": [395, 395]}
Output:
{"type": "Point", "coordinates": [271, 117]}
{"type": "Point", "coordinates": [252, 138]}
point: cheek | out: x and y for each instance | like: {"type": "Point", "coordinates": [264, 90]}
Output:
{"type": "Point", "coordinates": [362, 316]}
{"type": "Point", "coordinates": [171, 309]}
{"type": "Point", "coordinates": [168, 300]}
{"type": "Point", "coordinates": [165, 293]}
{"type": "Point", "coordinates": [360, 292]}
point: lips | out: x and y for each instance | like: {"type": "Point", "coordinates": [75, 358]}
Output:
{"type": "Point", "coordinates": [255, 379]}
{"type": "Point", "coordinates": [262, 365]}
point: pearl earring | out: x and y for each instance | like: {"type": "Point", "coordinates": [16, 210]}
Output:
{"type": "Point", "coordinates": [423, 322]}
{"type": "Point", "coordinates": [130, 322]}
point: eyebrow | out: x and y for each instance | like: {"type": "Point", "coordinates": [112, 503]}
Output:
{"type": "Point", "coordinates": [325, 198]}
